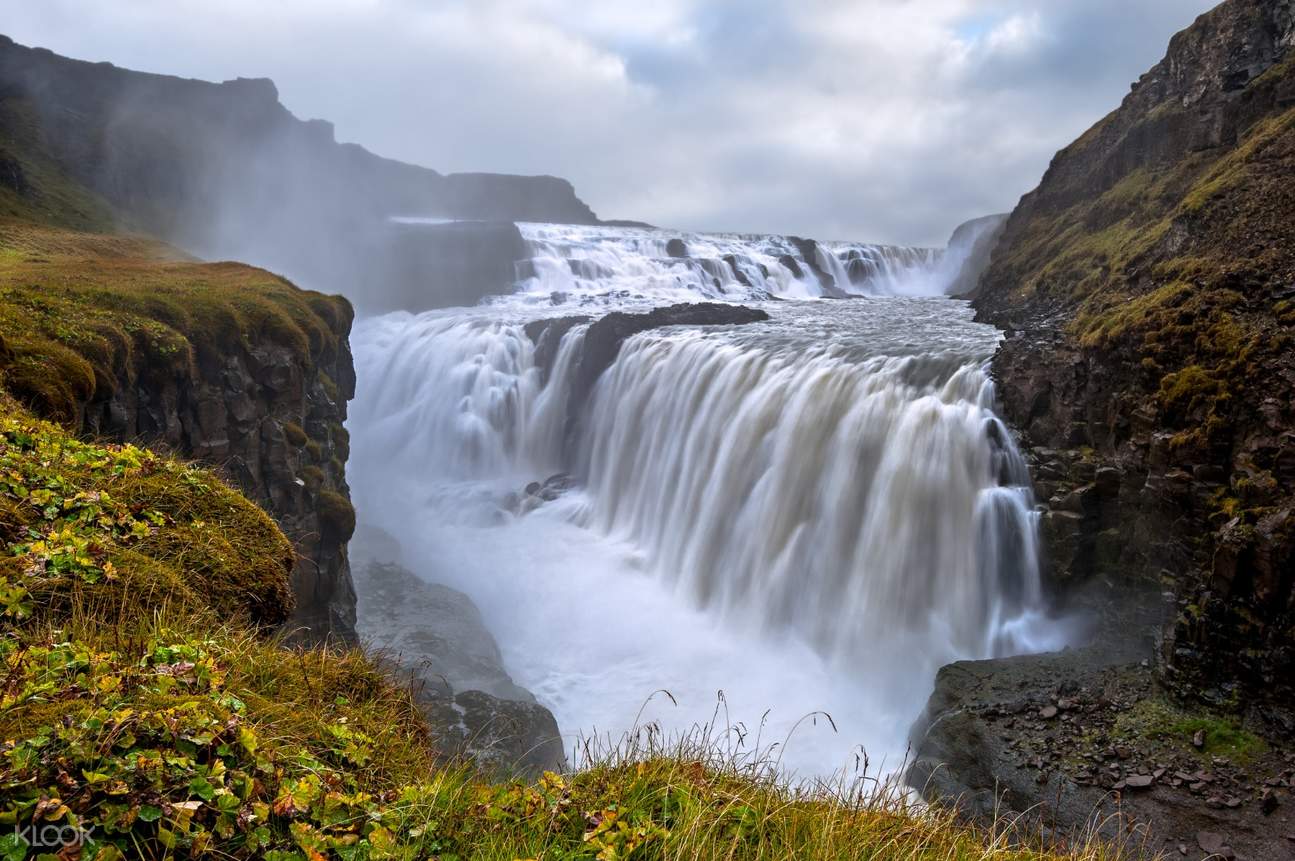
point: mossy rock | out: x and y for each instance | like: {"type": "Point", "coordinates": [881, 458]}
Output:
{"type": "Point", "coordinates": [82, 313]}
{"type": "Point", "coordinates": [122, 526]}
{"type": "Point", "coordinates": [336, 514]}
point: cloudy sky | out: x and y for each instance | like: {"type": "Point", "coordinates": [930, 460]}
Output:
{"type": "Point", "coordinates": [884, 120]}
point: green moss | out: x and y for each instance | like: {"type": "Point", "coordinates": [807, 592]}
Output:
{"type": "Point", "coordinates": [314, 478]}
{"type": "Point", "coordinates": [124, 528]}
{"type": "Point", "coordinates": [330, 388]}
{"type": "Point", "coordinates": [336, 514]}
{"type": "Point", "coordinates": [1233, 170]}
{"type": "Point", "coordinates": [341, 439]}
{"type": "Point", "coordinates": [315, 450]}
{"type": "Point", "coordinates": [83, 313]}
{"type": "Point", "coordinates": [1158, 720]}
{"type": "Point", "coordinates": [294, 434]}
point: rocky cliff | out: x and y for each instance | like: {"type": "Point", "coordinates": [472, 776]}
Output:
{"type": "Point", "coordinates": [1148, 286]}
{"type": "Point", "coordinates": [222, 363]}
{"type": "Point", "coordinates": [433, 637]}
{"type": "Point", "coordinates": [1147, 290]}
{"type": "Point", "coordinates": [974, 243]}
{"type": "Point", "coordinates": [224, 170]}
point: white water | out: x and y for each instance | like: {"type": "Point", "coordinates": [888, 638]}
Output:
{"type": "Point", "coordinates": [813, 513]}
{"type": "Point", "coordinates": [618, 265]}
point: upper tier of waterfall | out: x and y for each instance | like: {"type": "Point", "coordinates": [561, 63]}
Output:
{"type": "Point", "coordinates": [620, 265]}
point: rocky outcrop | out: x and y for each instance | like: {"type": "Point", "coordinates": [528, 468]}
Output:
{"type": "Point", "coordinates": [271, 418]}
{"type": "Point", "coordinates": [974, 242]}
{"type": "Point", "coordinates": [1085, 742]}
{"type": "Point", "coordinates": [226, 172]}
{"type": "Point", "coordinates": [433, 637]}
{"type": "Point", "coordinates": [1148, 366]}
{"type": "Point", "coordinates": [603, 340]}
{"type": "Point", "coordinates": [809, 251]}
{"type": "Point", "coordinates": [1147, 288]}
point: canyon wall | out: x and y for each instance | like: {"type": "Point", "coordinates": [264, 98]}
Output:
{"type": "Point", "coordinates": [1147, 287]}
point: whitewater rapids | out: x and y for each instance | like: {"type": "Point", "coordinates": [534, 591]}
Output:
{"type": "Point", "coordinates": [808, 514]}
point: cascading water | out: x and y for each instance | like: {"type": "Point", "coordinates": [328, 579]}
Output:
{"type": "Point", "coordinates": [810, 513]}
{"type": "Point", "coordinates": [626, 265]}
{"type": "Point", "coordinates": [844, 500]}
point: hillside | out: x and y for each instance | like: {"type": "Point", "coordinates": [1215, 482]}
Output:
{"type": "Point", "coordinates": [227, 172]}
{"type": "Point", "coordinates": [147, 709]}
{"type": "Point", "coordinates": [1147, 290]}
{"type": "Point", "coordinates": [1149, 283]}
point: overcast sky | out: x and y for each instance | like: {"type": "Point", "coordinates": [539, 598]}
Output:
{"type": "Point", "coordinates": [882, 120]}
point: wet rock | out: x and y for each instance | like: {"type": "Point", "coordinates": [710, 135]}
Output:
{"type": "Point", "coordinates": [271, 417]}
{"type": "Point", "coordinates": [792, 265]}
{"type": "Point", "coordinates": [677, 248]}
{"type": "Point", "coordinates": [537, 493]}
{"type": "Point", "coordinates": [605, 336]}
{"type": "Point", "coordinates": [433, 638]}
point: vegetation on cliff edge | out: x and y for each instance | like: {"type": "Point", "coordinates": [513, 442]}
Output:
{"type": "Point", "coordinates": [81, 311]}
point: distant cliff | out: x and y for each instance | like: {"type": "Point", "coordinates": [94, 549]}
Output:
{"type": "Point", "coordinates": [1148, 286]}
{"type": "Point", "coordinates": [226, 171]}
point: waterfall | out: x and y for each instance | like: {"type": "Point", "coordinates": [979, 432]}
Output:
{"type": "Point", "coordinates": [579, 263]}
{"type": "Point", "coordinates": [857, 504]}
{"type": "Point", "coordinates": [813, 512]}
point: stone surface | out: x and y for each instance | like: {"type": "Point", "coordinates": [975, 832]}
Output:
{"type": "Point", "coordinates": [603, 340]}
{"type": "Point", "coordinates": [1149, 363]}
{"type": "Point", "coordinates": [271, 420]}
{"type": "Point", "coordinates": [433, 638]}
{"type": "Point", "coordinates": [1107, 762]}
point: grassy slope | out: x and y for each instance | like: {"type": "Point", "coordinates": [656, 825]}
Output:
{"type": "Point", "coordinates": [32, 186]}
{"type": "Point", "coordinates": [138, 702]}
{"type": "Point", "coordinates": [140, 699]}
{"type": "Point", "coordinates": [81, 311]}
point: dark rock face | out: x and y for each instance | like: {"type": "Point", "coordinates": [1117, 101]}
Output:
{"type": "Point", "coordinates": [1149, 362]}
{"type": "Point", "coordinates": [604, 338]}
{"type": "Point", "coordinates": [603, 341]}
{"type": "Point", "coordinates": [1086, 739]}
{"type": "Point", "coordinates": [808, 249]}
{"type": "Point", "coordinates": [677, 248]}
{"type": "Point", "coordinates": [977, 239]}
{"type": "Point", "coordinates": [225, 171]}
{"type": "Point", "coordinates": [272, 420]}
{"type": "Point", "coordinates": [433, 637]}
{"type": "Point", "coordinates": [547, 336]}
{"type": "Point", "coordinates": [1150, 372]}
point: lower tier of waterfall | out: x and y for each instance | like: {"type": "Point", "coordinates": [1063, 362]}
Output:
{"type": "Point", "coordinates": [810, 514]}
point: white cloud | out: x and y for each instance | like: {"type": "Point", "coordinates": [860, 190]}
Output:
{"type": "Point", "coordinates": [874, 119]}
